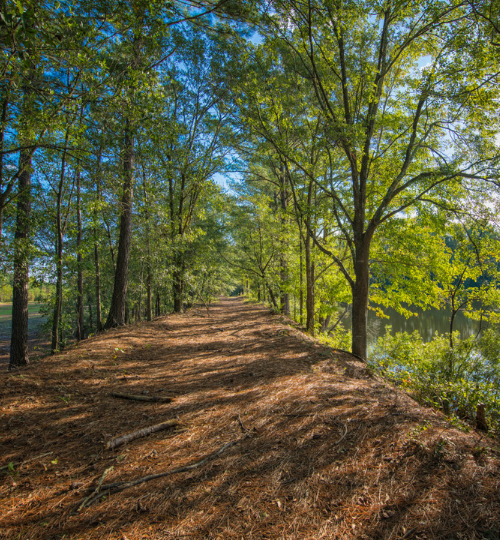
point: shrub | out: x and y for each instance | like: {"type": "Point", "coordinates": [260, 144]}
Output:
{"type": "Point", "coordinates": [454, 379]}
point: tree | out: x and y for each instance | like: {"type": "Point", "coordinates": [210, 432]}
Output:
{"type": "Point", "coordinates": [395, 134]}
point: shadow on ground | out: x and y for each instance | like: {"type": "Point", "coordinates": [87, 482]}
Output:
{"type": "Point", "coordinates": [321, 449]}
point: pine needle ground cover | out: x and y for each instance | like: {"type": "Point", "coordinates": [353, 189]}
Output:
{"type": "Point", "coordinates": [277, 437]}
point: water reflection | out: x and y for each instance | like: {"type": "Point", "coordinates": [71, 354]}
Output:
{"type": "Point", "coordinates": [426, 322]}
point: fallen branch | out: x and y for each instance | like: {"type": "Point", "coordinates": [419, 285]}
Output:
{"type": "Point", "coordinates": [113, 443]}
{"type": "Point", "coordinates": [142, 398]}
{"type": "Point", "coordinates": [120, 486]}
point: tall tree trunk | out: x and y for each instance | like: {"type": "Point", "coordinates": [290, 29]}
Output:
{"type": "Point", "coordinates": [138, 316]}
{"type": "Point", "coordinates": [285, 297]}
{"type": "Point", "coordinates": [91, 319]}
{"type": "Point", "coordinates": [149, 314]}
{"type": "Point", "coordinates": [301, 280]}
{"type": "Point", "coordinates": [3, 194]}
{"type": "Point", "coordinates": [19, 338]}
{"type": "Point", "coordinates": [98, 307]}
{"type": "Point", "coordinates": [56, 318]}
{"type": "Point", "coordinates": [309, 286]}
{"type": "Point", "coordinates": [79, 301]}
{"type": "Point", "coordinates": [116, 316]}
{"type": "Point", "coordinates": [98, 314]}
{"type": "Point", "coordinates": [178, 282]}
{"type": "Point", "coordinates": [177, 289]}
{"type": "Point", "coordinates": [360, 290]}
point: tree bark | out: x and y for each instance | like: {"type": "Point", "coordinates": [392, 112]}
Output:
{"type": "Point", "coordinates": [273, 298]}
{"type": "Point", "coordinates": [98, 307]}
{"type": "Point", "coordinates": [149, 314]}
{"type": "Point", "coordinates": [56, 318]}
{"type": "Point", "coordinates": [80, 330]}
{"type": "Point", "coordinates": [178, 283]}
{"type": "Point", "coordinates": [177, 291]}
{"type": "Point", "coordinates": [3, 194]}
{"type": "Point", "coordinates": [19, 337]}
{"type": "Point", "coordinates": [59, 277]}
{"type": "Point", "coordinates": [301, 281]}
{"type": "Point", "coordinates": [98, 314]}
{"type": "Point", "coordinates": [116, 316]}
{"type": "Point", "coordinates": [285, 297]}
{"type": "Point", "coordinates": [91, 319]}
{"type": "Point", "coordinates": [309, 286]}
{"type": "Point", "coordinates": [360, 290]}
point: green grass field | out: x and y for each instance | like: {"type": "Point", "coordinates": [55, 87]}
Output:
{"type": "Point", "coordinates": [35, 319]}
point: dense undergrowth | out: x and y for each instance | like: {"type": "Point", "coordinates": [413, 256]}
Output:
{"type": "Point", "coordinates": [456, 379]}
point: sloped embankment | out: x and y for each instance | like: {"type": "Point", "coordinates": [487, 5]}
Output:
{"type": "Point", "coordinates": [300, 442]}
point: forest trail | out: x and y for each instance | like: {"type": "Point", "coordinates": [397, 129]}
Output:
{"type": "Point", "coordinates": [319, 448]}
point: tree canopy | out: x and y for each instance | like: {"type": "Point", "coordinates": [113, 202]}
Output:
{"type": "Point", "coordinates": [329, 156]}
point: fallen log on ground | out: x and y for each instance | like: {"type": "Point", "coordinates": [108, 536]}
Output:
{"type": "Point", "coordinates": [113, 443]}
{"type": "Point", "coordinates": [110, 489]}
{"type": "Point", "coordinates": [157, 399]}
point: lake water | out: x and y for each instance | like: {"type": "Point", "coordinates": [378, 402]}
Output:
{"type": "Point", "coordinates": [426, 322]}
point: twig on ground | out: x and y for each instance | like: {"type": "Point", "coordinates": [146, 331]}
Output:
{"type": "Point", "coordinates": [142, 398]}
{"type": "Point", "coordinates": [411, 532]}
{"type": "Point", "coordinates": [343, 434]}
{"type": "Point", "coordinates": [96, 493]}
{"type": "Point", "coordinates": [120, 486]}
{"type": "Point", "coordinates": [25, 461]}
{"type": "Point", "coordinates": [243, 428]}
{"type": "Point", "coordinates": [113, 443]}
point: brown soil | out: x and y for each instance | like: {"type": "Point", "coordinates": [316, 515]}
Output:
{"type": "Point", "coordinates": [322, 450]}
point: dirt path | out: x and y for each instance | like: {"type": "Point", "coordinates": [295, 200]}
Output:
{"type": "Point", "coordinates": [321, 450]}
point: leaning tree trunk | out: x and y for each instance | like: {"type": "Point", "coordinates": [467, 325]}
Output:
{"type": "Point", "coordinates": [19, 339]}
{"type": "Point", "coordinates": [360, 289]}
{"type": "Point", "coordinates": [273, 298]}
{"type": "Point", "coordinates": [116, 316]}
